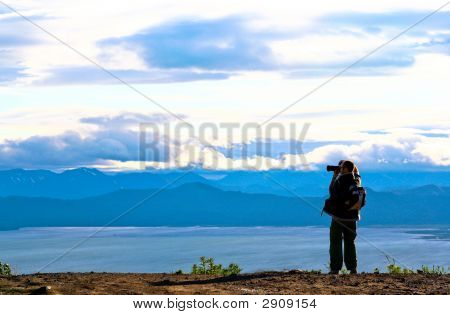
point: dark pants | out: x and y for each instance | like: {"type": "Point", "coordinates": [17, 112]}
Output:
{"type": "Point", "coordinates": [342, 230]}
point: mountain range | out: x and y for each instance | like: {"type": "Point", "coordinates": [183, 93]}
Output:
{"type": "Point", "coordinates": [192, 204]}
{"type": "Point", "coordinates": [86, 182]}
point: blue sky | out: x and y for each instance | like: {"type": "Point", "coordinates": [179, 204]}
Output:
{"type": "Point", "coordinates": [223, 63]}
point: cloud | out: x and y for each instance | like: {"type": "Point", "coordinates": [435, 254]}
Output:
{"type": "Point", "coordinates": [180, 51]}
{"type": "Point", "coordinates": [94, 75]}
{"type": "Point", "coordinates": [15, 35]}
{"type": "Point", "coordinates": [376, 22]}
{"type": "Point", "coordinates": [229, 46]}
{"type": "Point", "coordinates": [190, 49]}
{"type": "Point", "coordinates": [331, 112]}
{"type": "Point", "coordinates": [68, 150]}
{"type": "Point", "coordinates": [435, 135]}
{"type": "Point", "coordinates": [335, 41]}
{"type": "Point", "coordinates": [15, 31]}
{"type": "Point", "coordinates": [376, 132]}
{"type": "Point", "coordinates": [425, 131]}
{"type": "Point", "coordinates": [274, 149]}
{"type": "Point", "coordinates": [220, 44]}
{"type": "Point", "coordinates": [9, 74]}
{"type": "Point", "coordinates": [127, 119]}
{"type": "Point", "coordinates": [113, 140]}
{"type": "Point", "coordinates": [381, 154]}
{"type": "Point", "coordinates": [388, 152]}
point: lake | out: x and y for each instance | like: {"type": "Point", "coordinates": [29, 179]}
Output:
{"type": "Point", "coordinates": [166, 249]}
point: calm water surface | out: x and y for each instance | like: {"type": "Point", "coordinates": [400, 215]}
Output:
{"type": "Point", "coordinates": [166, 249]}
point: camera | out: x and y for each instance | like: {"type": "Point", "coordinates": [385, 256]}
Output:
{"type": "Point", "coordinates": [332, 168]}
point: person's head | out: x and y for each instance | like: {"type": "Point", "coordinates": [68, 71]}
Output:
{"type": "Point", "coordinates": [347, 167]}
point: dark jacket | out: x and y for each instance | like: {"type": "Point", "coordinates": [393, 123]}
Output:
{"type": "Point", "coordinates": [341, 198]}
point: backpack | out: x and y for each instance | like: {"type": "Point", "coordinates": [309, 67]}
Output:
{"type": "Point", "coordinates": [358, 198]}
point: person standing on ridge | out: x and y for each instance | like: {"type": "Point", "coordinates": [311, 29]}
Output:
{"type": "Point", "coordinates": [347, 197]}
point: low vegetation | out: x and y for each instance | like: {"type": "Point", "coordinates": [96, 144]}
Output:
{"type": "Point", "coordinates": [396, 269]}
{"type": "Point", "coordinates": [393, 268]}
{"type": "Point", "coordinates": [434, 270]}
{"type": "Point", "coordinates": [344, 272]}
{"type": "Point", "coordinates": [208, 267]}
{"type": "Point", "coordinates": [5, 269]}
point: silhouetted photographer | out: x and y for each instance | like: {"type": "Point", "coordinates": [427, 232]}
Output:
{"type": "Point", "coordinates": [347, 197]}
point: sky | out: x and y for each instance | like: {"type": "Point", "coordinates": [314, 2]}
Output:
{"type": "Point", "coordinates": [79, 78]}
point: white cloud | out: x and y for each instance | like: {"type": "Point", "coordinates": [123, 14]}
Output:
{"type": "Point", "coordinates": [388, 152]}
{"type": "Point", "coordinates": [385, 153]}
{"type": "Point", "coordinates": [317, 49]}
{"type": "Point", "coordinates": [114, 144]}
{"type": "Point", "coordinates": [412, 96]}
{"type": "Point", "coordinates": [84, 26]}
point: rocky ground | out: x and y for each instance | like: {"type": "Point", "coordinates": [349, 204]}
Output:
{"type": "Point", "coordinates": [292, 282]}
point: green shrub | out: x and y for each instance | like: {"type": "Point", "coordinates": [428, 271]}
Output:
{"type": "Point", "coordinates": [396, 269]}
{"type": "Point", "coordinates": [434, 270]}
{"type": "Point", "coordinates": [178, 272]}
{"type": "Point", "coordinates": [376, 271]}
{"type": "Point", "coordinates": [208, 267]}
{"type": "Point", "coordinates": [233, 269]}
{"type": "Point", "coordinates": [5, 269]}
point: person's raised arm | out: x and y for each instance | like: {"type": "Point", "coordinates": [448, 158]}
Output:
{"type": "Point", "coordinates": [333, 179]}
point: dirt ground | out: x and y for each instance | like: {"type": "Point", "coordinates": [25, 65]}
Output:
{"type": "Point", "coordinates": [292, 282]}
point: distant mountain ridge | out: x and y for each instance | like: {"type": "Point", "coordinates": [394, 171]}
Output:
{"type": "Point", "coordinates": [86, 182]}
{"type": "Point", "coordinates": [201, 204]}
